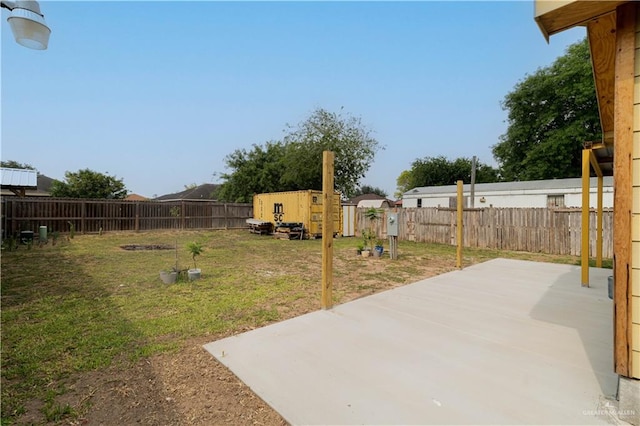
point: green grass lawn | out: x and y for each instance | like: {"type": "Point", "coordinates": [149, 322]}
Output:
{"type": "Point", "coordinates": [85, 303]}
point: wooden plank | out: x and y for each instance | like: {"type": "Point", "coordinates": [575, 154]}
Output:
{"type": "Point", "coordinates": [623, 124]}
{"type": "Point", "coordinates": [327, 229]}
{"type": "Point", "coordinates": [602, 40]}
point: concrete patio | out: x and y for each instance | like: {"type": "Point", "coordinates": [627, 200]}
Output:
{"type": "Point", "coordinates": [502, 342]}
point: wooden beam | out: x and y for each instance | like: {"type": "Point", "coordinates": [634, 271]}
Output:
{"type": "Point", "coordinates": [20, 192]}
{"type": "Point", "coordinates": [607, 136]}
{"type": "Point", "coordinates": [623, 137]}
{"type": "Point", "coordinates": [599, 222]}
{"type": "Point", "coordinates": [594, 145]}
{"type": "Point", "coordinates": [327, 229]}
{"type": "Point", "coordinates": [584, 250]}
{"type": "Point", "coordinates": [459, 222]}
{"type": "Point", "coordinates": [594, 163]}
{"type": "Point", "coordinates": [602, 41]}
{"type": "Point", "coordinates": [554, 16]}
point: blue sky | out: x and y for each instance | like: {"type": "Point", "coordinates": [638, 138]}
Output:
{"type": "Point", "coordinates": [158, 93]}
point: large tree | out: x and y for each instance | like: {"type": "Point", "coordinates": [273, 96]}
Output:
{"type": "Point", "coordinates": [252, 172]}
{"type": "Point", "coordinates": [295, 163]}
{"type": "Point", "coordinates": [86, 183]}
{"type": "Point", "coordinates": [551, 113]}
{"type": "Point", "coordinates": [345, 135]}
{"type": "Point", "coordinates": [438, 171]}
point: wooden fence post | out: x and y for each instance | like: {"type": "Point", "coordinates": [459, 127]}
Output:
{"type": "Point", "coordinates": [137, 225]}
{"type": "Point", "coordinates": [182, 215]}
{"type": "Point", "coordinates": [14, 223]}
{"type": "Point", "coordinates": [83, 216]}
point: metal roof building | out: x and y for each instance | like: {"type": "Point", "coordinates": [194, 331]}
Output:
{"type": "Point", "coordinates": [537, 193]}
{"type": "Point", "coordinates": [19, 177]}
{"type": "Point", "coordinates": [18, 180]}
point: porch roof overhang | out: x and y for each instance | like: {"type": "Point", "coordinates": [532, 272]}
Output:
{"type": "Point", "coordinates": [599, 18]}
{"type": "Point", "coordinates": [554, 16]}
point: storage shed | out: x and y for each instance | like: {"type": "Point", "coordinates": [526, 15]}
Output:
{"type": "Point", "coordinates": [556, 193]}
{"type": "Point", "coordinates": [377, 204]}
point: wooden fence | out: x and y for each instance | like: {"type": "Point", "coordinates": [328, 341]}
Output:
{"type": "Point", "coordinates": [532, 230]}
{"type": "Point", "coordinates": [91, 216]}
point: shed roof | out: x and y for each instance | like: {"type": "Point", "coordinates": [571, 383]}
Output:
{"type": "Point", "coordinates": [19, 178]}
{"type": "Point", "coordinates": [552, 184]}
{"type": "Point", "coordinates": [380, 203]}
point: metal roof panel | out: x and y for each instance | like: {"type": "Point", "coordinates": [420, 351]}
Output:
{"type": "Point", "coordinates": [551, 184]}
{"type": "Point", "coordinates": [19, 178]}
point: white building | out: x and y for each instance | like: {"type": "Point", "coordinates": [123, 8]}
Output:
{"type": "Point", "coordinates": [556, 193]}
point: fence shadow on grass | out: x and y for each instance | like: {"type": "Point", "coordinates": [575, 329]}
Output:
{"type": "Point", "coordinates": [58, 319]}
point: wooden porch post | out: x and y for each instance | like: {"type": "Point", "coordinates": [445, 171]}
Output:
{"type": "Point", "coordinates": [599, 222]}
{"type": "Point", "coordinates": [623, 145]}
{"type": "Point", "coordinates": [327, 229]}
{"type": "Point", "coordinates": [584, 251]}
{"type": "Point", "coordinates": [459, 222]}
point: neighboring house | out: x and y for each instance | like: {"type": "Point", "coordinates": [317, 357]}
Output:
{"type": "Point", "coordinates": [24, 183]}
{"type": "Point", "coordinates": [135, 197]}
{"type": "Point", "coordinates": [202, 192]}
{"type": "Point", "coordinates": [556, 193]}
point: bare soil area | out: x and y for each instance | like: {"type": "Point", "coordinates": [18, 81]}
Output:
{"type": "Point", "coordinates": [187, 387]}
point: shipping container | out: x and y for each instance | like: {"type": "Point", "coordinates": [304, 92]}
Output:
{"type": "Point", "coordinates": [297, 207]}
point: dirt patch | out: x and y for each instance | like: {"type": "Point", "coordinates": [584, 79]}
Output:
{"type": "Point", "coordinates": [188, 387]}
{"type": "Point", "coordinates": [147, 247]}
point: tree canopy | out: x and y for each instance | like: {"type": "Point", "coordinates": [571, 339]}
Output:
{"type": "Point", "coordinates": [253, 172]}
{"type": "Point", "coordinates": [550, 114]}
{"type": "Point", "coordinates": [403, 183]}
{"type": "Point", "coordinates": [11, 164]}
{"type": "Point", "coordinates": [295, 163]}
{"type": "Point", "coordinates": [438, 171]}
{"type": "Point", "coordinates": [86, 183]}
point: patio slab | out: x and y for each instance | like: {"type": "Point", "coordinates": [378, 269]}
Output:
{"type": "Point", "coordinates": [502, 342]}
